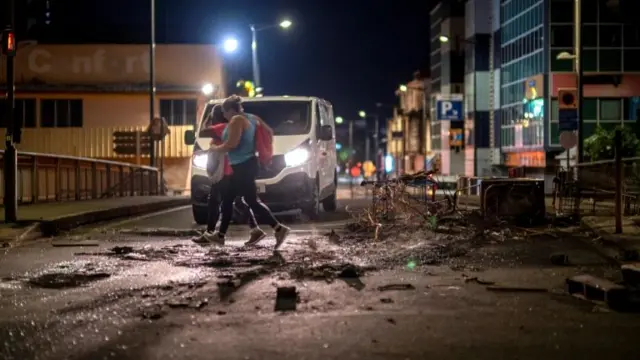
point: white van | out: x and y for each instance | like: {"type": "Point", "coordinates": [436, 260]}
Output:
{"type": "Point", "coordinates": [303, 172]}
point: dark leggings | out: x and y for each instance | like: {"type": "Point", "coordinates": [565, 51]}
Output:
{"type": "Point", "coordinates": [215, 198]}
{"type": "Point", "coordinates": [243, 183]}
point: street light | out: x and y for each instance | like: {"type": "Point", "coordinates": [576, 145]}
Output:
{"type": "Point", "coordinates": [339, 120]}
{"type": "Point", "coordinates": [443, 39]}
{"type": "Point", "coordinates": [403, 88]}
{"type": "Point", "coordinates": [362, 114]}
{"type": "Point", "coordinates": [230, 45]}
{"type": "Point", "coordinates": [207, 89]}
{"type": "Point", "coordinates": [284, 24]}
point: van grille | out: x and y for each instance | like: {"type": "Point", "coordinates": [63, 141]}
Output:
{"type": "Point", "coordinates": [277, 165]}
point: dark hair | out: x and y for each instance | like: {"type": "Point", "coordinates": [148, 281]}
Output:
{"type": "Point", "coordinates": [216, 115]}
{"type": "Point", "coordinates": [233, 102]}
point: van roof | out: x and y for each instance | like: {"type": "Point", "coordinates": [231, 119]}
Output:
{"type": "Point", "coordinates": [269, 98]}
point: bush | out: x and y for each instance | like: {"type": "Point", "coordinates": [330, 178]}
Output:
{"type": "Point", "coordinates": [600, 145]}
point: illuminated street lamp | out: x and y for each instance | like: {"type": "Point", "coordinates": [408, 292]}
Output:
{"type": "Point", "coordinates": [230, 45]}
{"type": "Point", "coordinates": [362, 114]}
{"type": "Point", "coordinates": [207, 89]}
{"type": "Point", "coordinates": [403, 88]}
{"type": "Point", "coordinates": [339, 120]}
{"type": "Point", "coordinates": [443, 39]}
{"type": "Point", "coordinates": [284, 24]}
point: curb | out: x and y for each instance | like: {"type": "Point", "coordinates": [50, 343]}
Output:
{"type": "Point", "coordinates": [65, 223]}
{"type": "Point", "coordinates": [611, 249]}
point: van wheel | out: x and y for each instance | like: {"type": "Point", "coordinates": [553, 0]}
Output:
{"type": "Point", "coordinates": [330, 204]}
{"type": "Point", "coordinates": [312, 207]}
{"type": "Point", "coordinates": [200, 214]}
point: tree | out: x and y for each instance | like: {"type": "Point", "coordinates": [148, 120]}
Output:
{"type": "Point", "coordinates": [600, 145]}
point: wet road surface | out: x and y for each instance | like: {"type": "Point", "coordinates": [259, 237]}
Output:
{"type": "Point", "coordinates": [140, 289]}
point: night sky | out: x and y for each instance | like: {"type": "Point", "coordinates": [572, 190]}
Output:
{"type": "Point", "coordinates": [353, 53]}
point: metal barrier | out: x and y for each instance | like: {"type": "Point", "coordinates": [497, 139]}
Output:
{"type": "Point", "coordinates": [590, 188]}
{"type": "Point", "coordinates": [48, 177]}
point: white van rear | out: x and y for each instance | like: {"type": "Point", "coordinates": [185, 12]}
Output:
{"type": "Point", "coordinates": [303, 172]}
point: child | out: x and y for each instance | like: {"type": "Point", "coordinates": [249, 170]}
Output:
{"type": "Point", "coordinates": [218, 125]}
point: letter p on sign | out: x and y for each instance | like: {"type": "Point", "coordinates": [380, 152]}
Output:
{"type": "Point", "coordinates": [446, 107]}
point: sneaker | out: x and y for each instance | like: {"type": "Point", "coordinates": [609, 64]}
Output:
{"type": "Point", "coordinates": [256, 236]}
{"type": "Point", "coordinates": [210, 238]}
{"type": "Point", "coordinates": [281, 235]}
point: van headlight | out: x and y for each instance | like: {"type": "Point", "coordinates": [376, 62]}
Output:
{"type": "Point", "coordinates": [296, 157]}
{"type": "Point", "coordinates": [200, 161]}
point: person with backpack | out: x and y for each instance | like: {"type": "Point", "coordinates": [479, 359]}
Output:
{"type": "Point", "coordinates": [220, 171]}
{"type": "Point", "coordinates": [245, 135]}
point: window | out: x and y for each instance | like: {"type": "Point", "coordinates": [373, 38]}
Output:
{"type": "Point", "coordinates": [554, 133]}
{"type": "Point", "coordinates": [590, 108]}
{"type": "Point", "coordinates": [609, 11]}
{"type": "Point", "coordinates": [60, 113]}
{"type": "Point", "coordinates": [610, 36]}
{"type": "Point", "coordinates": [590, 35]}
{"type": "Point", "coordinates": [590, 61]}
{"type": "Point", "coordinates": [179, 112]}
{"type": "Point", "coordinates": [590, 11]}
{"type": "Point", "coordinates": [561, 11]}
{"type": "Point", "coordinates": [631, 60]}
{"type": "Point", "coordinates": [561, 65]}
{"type": "Point", "coordinates": [611, 60]}
{"type": "Point", "coordinates": [631, 36]}
{"type": "Point", "coordinates": [24, 111]}
{"type": "Point", "coordinates": [610, 109]}
{"type": "Point", "coordinates": [589, 128]}
{"type": "Point", "coordinates": [562, 36]}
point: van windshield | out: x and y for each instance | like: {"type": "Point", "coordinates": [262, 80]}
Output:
{"type": "Point", "coordinates": [284, 117]}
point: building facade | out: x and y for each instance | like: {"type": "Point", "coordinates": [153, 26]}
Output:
{"type": "Point", "coordinates": [411, 119]}
{"type": "Point", "coordinates": [477, 88]}
{"type": "Point", "coordinates": [71, 98]}
{"type": "Point", "coordinates": [527, 37]}
{"type": "Point", "coordinates": [447, 77]}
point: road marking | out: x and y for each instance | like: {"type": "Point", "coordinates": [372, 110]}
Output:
{"type": "Point", "coordinates": [142, 217]}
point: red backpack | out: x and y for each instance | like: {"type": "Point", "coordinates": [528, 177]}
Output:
{"type": "Point", "coordinates": [264, 144]}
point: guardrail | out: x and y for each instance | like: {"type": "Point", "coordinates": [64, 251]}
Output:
{"type": "Point", "coordinates": [48, 177]}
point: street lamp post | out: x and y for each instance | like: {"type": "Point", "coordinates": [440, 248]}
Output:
{"type": "Point", "coordinates": [285, 24]}
{"type": "Point", "coordinates": [152, 81]}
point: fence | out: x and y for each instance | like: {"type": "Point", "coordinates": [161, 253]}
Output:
{"type": "Point", "coordinates": [590, 188]}
{"type": "Point", "coordinates": [95, 142]}
{"type": "Point", "coordinates": [46, 177]}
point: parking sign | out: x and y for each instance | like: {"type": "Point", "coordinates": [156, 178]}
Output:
{"type": "Point", "coordinates": [449, 110]}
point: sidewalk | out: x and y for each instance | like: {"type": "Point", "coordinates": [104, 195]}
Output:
{"type": "Point", "coordinates": [626, 245]}
{"type": "Point", "coordinates": [49, 219]}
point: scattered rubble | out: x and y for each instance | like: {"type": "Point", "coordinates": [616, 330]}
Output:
{"type": "Point", "coordinates": [394, 287]}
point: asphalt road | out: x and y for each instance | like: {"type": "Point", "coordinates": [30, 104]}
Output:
{"type": "Point", "coordinates": [158, 296]}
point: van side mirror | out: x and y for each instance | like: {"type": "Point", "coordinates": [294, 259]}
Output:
{"type": "Point", "coordinates": [326, 133]}
{"type": "Point", "coordinates": [189, 137]}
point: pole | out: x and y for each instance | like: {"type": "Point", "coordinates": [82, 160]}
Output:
{"type": "Point", "coordinates": [152, 81]}
{"type": "Point", "coordinates": [618, 166]}
{"type": "Point", "coordinates": [580, 82]}
{"type": "Point", "coordinates": [367, 150]}
{"type": "Point", "coordinates": [10, 154]}
{"type": "Point", "coordinates": [254, 57]}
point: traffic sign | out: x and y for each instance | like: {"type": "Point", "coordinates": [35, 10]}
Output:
{"type": "Point", "coordinates": [568, 119]}
{"type": "Point", "coordinates": [449, 110]}
{"type": "Point", "coordinates": [568, 139]}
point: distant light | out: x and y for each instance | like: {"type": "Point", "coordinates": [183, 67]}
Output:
{"type": "Point", "coordinates": [338, 146]}
{"type": "Point", "coordinates": [259, 89]}
{"type": "Point", "coordinates": [207, 89]}
{"type": "Point", "coordinates": [388, 163]}
{"type": "Point", "coordinates": [285, 24]}
{"type": "Point", "coordinates": [339, 120]}
{"type": "Point", "coordinates": [230, 45]}
{"type": "Point", "coordinates": [403, 88]}
{"type": "Point", "coordinates": [443, 39]}
{"type": "Point", "coordinates": [362, 114]}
